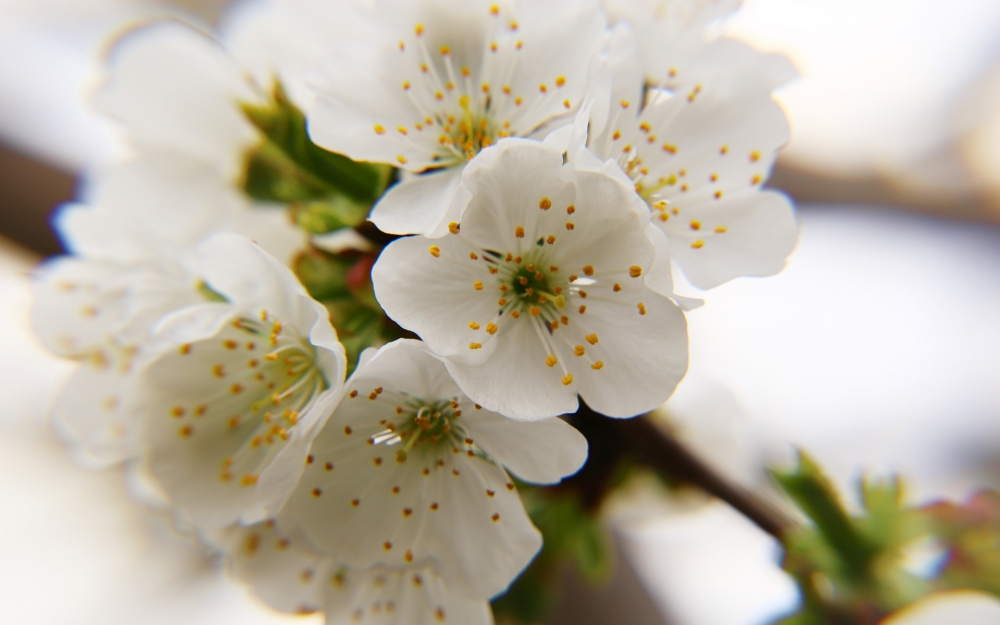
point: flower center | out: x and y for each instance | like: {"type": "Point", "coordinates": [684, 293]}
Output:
{"type": "Point", "coordinates": [470, 134]}
{"type": "Point", "coordinates": [428, 427]}
{"type": "Point", "coordinates": [532, 285]}
{"type": "Point", "coordinates": [280, 380]}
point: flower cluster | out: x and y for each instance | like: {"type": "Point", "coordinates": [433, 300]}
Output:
{"type": "Point", "coordinates": [532, 173]}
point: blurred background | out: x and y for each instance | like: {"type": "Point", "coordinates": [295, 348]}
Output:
{"type": "Point", "coordinates": [877, 349]}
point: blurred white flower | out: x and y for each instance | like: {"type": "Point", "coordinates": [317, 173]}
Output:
{"type": "Point", "coordinates": [547, 289]}
{"type": "Point", "coordinates": [409, 470]}
{"type": "Point", "coordinates": [177, 94]}
{"type": "Point", "coordinates": [240, 387]}
{"type": "Point", "coordinates": [679, 45]}
{"type": "Point", "coordinates": [285, 571]}
{"type": "Point", "coordinates": [444, 79]}
{"type": "Point", "coordinates": [134, 244]}
{"type": "Point", "coordinates": [964, 607]}
{"type": "Point", "coordinates": [698, 157]}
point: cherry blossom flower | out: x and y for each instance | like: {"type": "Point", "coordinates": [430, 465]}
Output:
{"type": "Point", "coordinates": [285, 571]}
{"type": "Point", "coordinates": [134, 260]}
{"type": "Point", "coordinates": [543, 291]}
{"type": "Point", "coordinates": [239, 388]}
{"type": "Point", "coordinates": [409, 471]}
{"type": "Point", "coordinates": [177, 95]}
{"type": "Point", "coordinates": [698, 157]}
{"type": "Point", "coordinates": [678, 45]}
{"type": "Point", "coordinates": [445, 79]}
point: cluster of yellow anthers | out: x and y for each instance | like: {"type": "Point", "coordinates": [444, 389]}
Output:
{"type": "Point", "coordinates": [274, 379]}
{"type": "Point", "coordinates": [466, 114]}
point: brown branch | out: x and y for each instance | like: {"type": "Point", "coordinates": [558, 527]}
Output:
{"type": "Point", "coordinates": [652, 446]}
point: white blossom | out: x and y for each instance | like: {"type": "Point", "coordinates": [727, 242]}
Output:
{"type": "Point", "coordinates": [229, 408]}
{"type": "Point", "coordinates": [543, 291]}
{"type": "Point", "coordinates": [698, 157]}
{"type": "Point", "coordinates": [284, 570]}
{"type": "Point", "coordinates": [679, 44]}
{"type": "Point", "coordinates": [177, 95]}
{"type": "Point", "coordinates": [409, 471]}
{"type": "Point", "coordinates": [444, 79]}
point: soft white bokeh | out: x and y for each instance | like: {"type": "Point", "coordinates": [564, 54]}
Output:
{"type": "Point", "coordinates": [879, 77]}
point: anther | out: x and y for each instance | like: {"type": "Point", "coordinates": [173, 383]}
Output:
{"type": "Point", "coordinates": [635, 271]}
{"type": "Point", "coordinates": [567, 379]}
{"type": "Point", "coordinates": [550, 360]}
{"type": "Point", "coordinates": [435, 251]}
{"type": "Point", "coordinates": [453, 228]}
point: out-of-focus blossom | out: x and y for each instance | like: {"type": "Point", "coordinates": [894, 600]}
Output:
{"type": "Point", "coordinates": [232, 402]}
{"type": "Point", "coordinates": [284, 570]}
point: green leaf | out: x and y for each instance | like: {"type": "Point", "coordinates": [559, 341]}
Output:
{"type": "Point", "coordinates": [324, 275]}
{"type": "Point", "coordinates": [816, 497]}
{"type": "Point", "coordinates": [288, 167]}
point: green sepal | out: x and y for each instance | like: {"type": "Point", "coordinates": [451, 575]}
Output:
{"type": "Point", "coordinates": [321, 217]}
{"type": "Point", "coordinates": [288, 167]}
{"type": "Point", "coordinates": [209, 294]}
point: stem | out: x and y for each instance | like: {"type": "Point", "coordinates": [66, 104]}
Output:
{"type": "Point", "coordinates": [653, 446]}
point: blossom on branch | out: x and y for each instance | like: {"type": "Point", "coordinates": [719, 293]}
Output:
{"type": "Point", "coordinates": [698, 157]}
{"type": "Point", "coordinates": [409, 471]}
{"type": "Point", "coordinates": [239, 388]}
{"type": "Point", "coordinates": [445, 79]}
{"type": "Point", "coordinates": [543, 291]}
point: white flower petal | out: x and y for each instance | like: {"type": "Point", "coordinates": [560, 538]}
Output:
{"type": "Point", "coordinates": [174, 88]}
{"type": "Point", "coordinates": [515, 381]}
{"type": "Point", "coordinates": [89, 413]}
{"type": "Point", "coordinates": [75, 310]}
{"type": "Point", "coordinates": [436, 294]}
{"type": "Point", "coordinates": [659, 277]}
{"type": "Point", "coordinates": [760, 233]}
{"type": "Point", "coordinates": [284, 570]}
{"type": "Point", "coordinates": [279, 567]}
{"type": "Point", "coordinates": [424, 203]}
{"type": "Point", "coordinates": [643, 350]}
{"type": "Point", "coordinates": [542, 452]}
